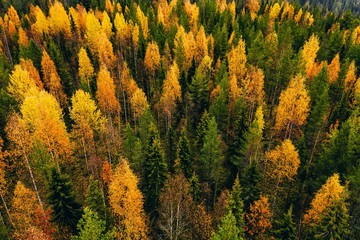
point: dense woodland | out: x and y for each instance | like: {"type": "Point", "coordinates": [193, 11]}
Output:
{"type": "Point", "coordinates": [338, 7]}
{"type": "Point", "coordinates": [178, 120]}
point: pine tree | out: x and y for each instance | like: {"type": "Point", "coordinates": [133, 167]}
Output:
{"type": "Point", "coordinates": [334, 224]}
{"type": "Point", "coordinates": [184, 154]}
{"type": "Point", "coordinates": [251, 185]}
{"type": "Point", "coordinates": [154, 172]}
{"type": "Point", "coordinates": [236, 207]}
{"type": "Point", "coordinates": [91, 227]}
{"type": "Point", "coordinates": [65, 210]}
{"type": "Point", "coordinates": [228, 229]}
{"type": "Point", "coordinates": [95, 201]}
{"type": "Point", "coordinates": [285, 227]}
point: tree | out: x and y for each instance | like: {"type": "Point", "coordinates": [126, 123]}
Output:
{"type": "Point", "coordinates": [105, 93]}
{"type": "Point", "coordinates": [51, 79]}
{"type": "Point", "coordinates": [65, 210]}
{"type": "Point", "coordinates": [21, 83]}
{"type": "Point", "coordinates": [86, 70]}
{"type": "Point", "coordinates": [211, 156]}
{"type": "Point", "coordinates": [171, 92]}
{"type": "Point", "coordinates": [126, 202]}
{"type": "Point", "coordinates": [334, 69]}
{"type": "Point", "coordinates": [237, 61]}
{"type": "Point", "coordinates": [282, 163]}
{"type": "Point", "coordinates": [285, 227]}
{"type": "Point", "coordinates": [308, 54]}
{"type": "Point", "coordinates": [335, 223]}
{"type": "Point", "coordinates": [42, 116]}
{"type": "Point", "coordinates": [95, 201]}
{"type": "Point", "coordinates": [228, 229]}
{"type": "Point", "coordinates": [91, 227]}
{"type": "Point", "coordinates": [329, 194]}
{"type": "Point", "coordinates": [152, 58]}
{"type": "Point", "coordinates": [174, 209]}
{"type": "Point", "coordinates": [258, 220]}
{"type": "Point", "coordinates": [236, 206]}
{"type": "Point", "coordinates": [253, 6]}
{"type": "Point", "coordinates": [201, 223]}
{"type": "Point", "coordinates": [88, 121]}
{"type": "Point", "coordinates": [350, 78]}
{"type": "Point", "coordinates": [184, 154]}
{"type": "Point", "coordinates": [28, 65]}
{"type": "Point", "coordinates": [58, 20]}
{"type": "Point", "coordinates": [154, 172]}
{"type": "Point", "coordinates": [23, 208]}
{"type": "Point", "coordinates": [293, 107]}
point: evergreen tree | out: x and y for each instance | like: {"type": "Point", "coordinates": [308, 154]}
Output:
{"type": "Point", "coordinates": [171, 149]}
{"type": "Point", "coordinates": [91, 227]}
{"type": "Point", "coordinates": [201, 129]}
{"type": "Point", "coordinates": [184, 154]}
{"type": "Point", "coordinates": [65, 210]}
{"type": "Point", "coordinates": [32, 52]}
{"type": "Point", "coordinates": [334, 224]}
{"type": "Point", "coordinates": [95, 199]}
{"type": "Point", "coordinates": [285, 227]}
{"type": "Point", "coordinates": [236, 207]}
{"type": "Point", "coordinates": [250, 183]}
{"type": "Point", "coordinates": [195, 188]}
{"type": "Point", "coordinates": [228, 229]}
{"type": "Point", "coordinates": [154, 173]}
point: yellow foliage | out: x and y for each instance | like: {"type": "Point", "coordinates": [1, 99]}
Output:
{"type": "Point", "coordinates": [79, 17]}
{"type": "Point", "coordinates": [152, 57]}
{"type": "Point", "coordinates": [274, 11]}
{"type": "Point", "coordinates": [59, 20]}
{"type": "Point", "coordinates": [185, 47]}
{"type": "Point", "coordinates": [298, 16]}
{"type": "Point", "coordinates": [86, 70]}
{"type": "Point", "coordinates": [23, 39]}
{"type": "Point", "coordinates": [234, 90]}
{"type": "Point", "coordinates": [24, 204]}
{"type": "Point", "coordinates": [42, 116]}
{"type": "Point", "coordinates": [52, 79]}
{"type": "Point", "coordinates": [105, 93]}
{"type": "Point", "coordinates": [192, 10]}
{"type": "Point", "coordinates": [253, 86]}
{"type": "Point", "coordinates": [106, 24]}
{"type": "Point", "coordinates": [288, 11]}
{"type": "Point", "coordinates": [350, 78]}
{"type": "Point", "coordinates": [120, 26]}
{"type": "Point", "coordinates": [171, 91]}
{"type": "Point", "coordinates": [13, 16]}
{"type": "Point", "coordinates": [334, 69]}
{"type": "Point", "coordinates": [232, 9]}
{"type": "Point", "coordinates": [308, 19]}
{"type": "Point", "coordinates": [237, 61]}
{"type": "Point", "coordinates": [138, 102]}
{"type": "Point", "coordinates": [143, 20]}
{"type": "Point", "coordinates": [21, 84]}
{"type": "Point", "coordinates": [33, 72]}
{"type": "Point", "coordinates": [355, 36]}
{"type": "Point", "coordinates": [329, 193]}
{"type": "Point", "coordinates": [201, 45]}
{"type": "Point", "coordinates": [308, 54]}
{"type": "Point", "coordinates": [293, 107]}
{"type": "Point", "coordinates": [282, 163]}
{"type": "Point", "coordinates": [126, 202]}
{"type": "Point", "coordinates": [253, 6]}
{"type": "Point", "coordinates": [41, 24]}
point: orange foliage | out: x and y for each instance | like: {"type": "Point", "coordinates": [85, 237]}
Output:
{"type": "Point", "coordinates": [237, 61]}
{"type": "Point", "coordinates": [126, 202]}
{"type": "Point", "coordinates": [334, 69]}
{"type": "Point", "coordinates": [253, 6]}
{"type": "Point", "coordinates": [258, 219]}
{"type": "Point", "coordinates": [308, 54]}
{"type": "Point", "coordinates": [28, 65]}
{"type": "Point", "coordinates": [105, 93]}
{"type": "Point", "coordinates": [350, 78]}
{"type": "Point", "coordinates": [152, 58]}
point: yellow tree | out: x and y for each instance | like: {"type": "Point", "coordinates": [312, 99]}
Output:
{"type": "Point", "coordinates": [3, 184]}
{"type": "Point", "coordinates": [201, 45]}
{"type": "Point", "coordinates": [21, 84]}
{"type": "Point", "coordinates": [329, 193]}
{"type": "Point", "coordinates": [143, 20]}
{"type": "Point", "coordinates": [185, 46]}
{"type": "Point", "coordinates": [127, 204]}
{"type": "Point", "coordinates": [234, 91]}
{"type": "Point", "coordinates": [253, 89]}
{"type": "Point", "coordinates": [120, 26]}
{"type": "Point", "coordinates": [138, 102]}
{"type": "Point", "coordinates": [41, 24]}
{"type": "Point", "coordinates": [350, 78]}
{"type": "Point", "coordinates": [106, 24]}
{"type": "Point", "coordinates": [105, 93]}
{"type": "Point", "coordinates": [59, 20]}
{"type": "Point", "coordinates": [192, 10]}
{"type": "Point", "coordinates": [282, 162]}
{"type": "Point", "coordinates": [152, 58]}
{"type": "Point", "coordinates": [253, 6]}
{"type": "Point", "coordinates": [293, 107]}
{"type": "Point", "coordinates": [87, 121]}
{"type": "Point", "coordinates": [274, 11]}
{"type": "Point", "coordinates": [23, 209]}
{"type": "Point", "coordinates": [52, 79]}
{"type": "Point", "coordinates": [86, 70]}
{"type": "Point", "coordinates": [237, 60]}
{"type": "Point", "coordinates": [42, 117]}
{"type": "Point", "coordinates": [23, 39]}
{"type": "Point", "coordinates": [308, 54]}
{"type": "Point", "coordinates": [171, 92]}
{"type": "Point", "coordinates": [334, 69]}
{"type": "Point", "coordinates": [258, 220]}
{"type": "Point", "coordinates": [28, 65]}
{"type": "Point", "coordinates": [298, 16]}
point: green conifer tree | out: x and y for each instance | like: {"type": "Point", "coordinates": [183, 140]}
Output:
{"type": "Point", "coordinates": [285, 227]}
{"type": "Point", "coordinates": [184, 154]}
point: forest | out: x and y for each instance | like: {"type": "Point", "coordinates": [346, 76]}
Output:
{"type": "Point", "coordinates": [169, 119]}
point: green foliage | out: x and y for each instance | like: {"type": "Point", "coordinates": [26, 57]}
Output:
{"type": "Point", "coordinates": [91, 227]}
{"type": "Point", "coordinates": [285, 227]}
{"type": "Point", "coordinates": [236, 206]}
{"type": "Point", "coordinates": [65, 210]}
{"type": "Point", "coordinates": [95, 201]}
{"type": "Point", "coordinates": [184, 154]}
{"type": "Point", "coordinates": [228, 229]}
